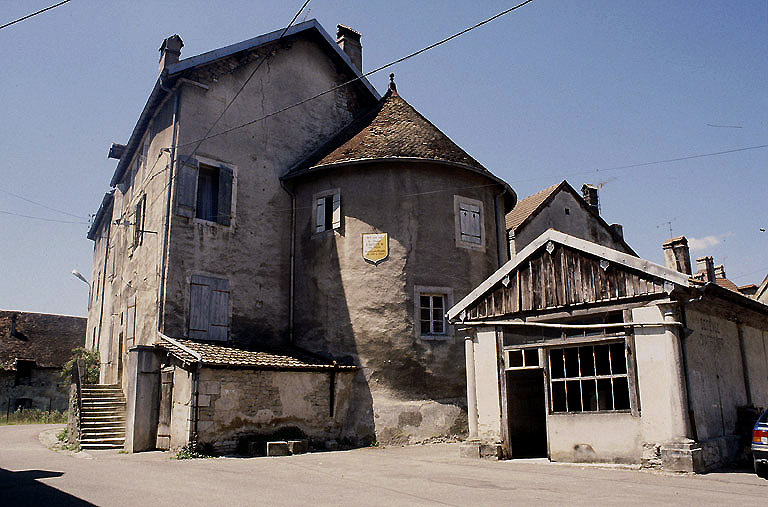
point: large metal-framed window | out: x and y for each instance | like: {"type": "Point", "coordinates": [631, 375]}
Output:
{"type": "Point", "coordinates": [589, 378]}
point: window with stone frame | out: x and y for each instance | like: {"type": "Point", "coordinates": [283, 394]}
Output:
{"type": "Point", "coordinates": [327, 212]}
{"type": "Point", "coordinates": [589, 378]}
{"type": "Point", "coordinates": [205, 191]}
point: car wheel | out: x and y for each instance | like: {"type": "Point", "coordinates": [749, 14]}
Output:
{"type": "Point", "coordinates": [761, 470]}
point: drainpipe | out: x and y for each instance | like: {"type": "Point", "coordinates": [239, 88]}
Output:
{"type": "Point", "coordinates": [104, 279]}
{"type": "Point", "coordinates": [499, 255]}
{"type": "Point", "coordinates": [293, 261]}
{"type": "Point", "coordinates": [194, 407]}
{"type": "Point", "coordinates": [167, 224]}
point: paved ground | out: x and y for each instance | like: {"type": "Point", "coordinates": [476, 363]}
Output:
{"type": "Point", "coordinates": [32, 474]}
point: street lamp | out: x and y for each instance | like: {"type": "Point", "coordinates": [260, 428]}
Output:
{"type": "Point", "coordinates": [80, 276]}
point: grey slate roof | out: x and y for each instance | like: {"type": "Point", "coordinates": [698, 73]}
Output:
{"type": "Point", "coordinates": [230, 355]}
{"type": "Point", "coordinates": [44, 338]}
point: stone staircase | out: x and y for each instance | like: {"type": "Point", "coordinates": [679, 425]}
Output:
{"type": "Point", "coordinates": [103, 417]}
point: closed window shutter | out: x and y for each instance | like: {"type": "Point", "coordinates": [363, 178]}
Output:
{"type": "Point", "coordinates": [219, 323]}
{"type": "Point", "coordinates": [336, 211]}
{"type": "Point", "coordinates": [469, 217]}
{"type": "Point", "coordinates": [320, 225]}
{"type": "Point", "coordinates": [130, 321]}
{"type": "Point", "coordinates": [199, 307]}
{"type": "Point", "coordinates": [186, 188]}
{"type": "Point", "coordinates": [225, 195]}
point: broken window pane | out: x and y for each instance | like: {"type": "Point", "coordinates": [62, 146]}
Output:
{"type": "Point", "coordinates": [571, 362]}
{"type": "Point", "coordinates": [604, 394]}
{"type": "Point", "coordinates": [587, 361]}
{"type": "Point", "coordinates": [515, 358]}
{"type": "Point", "coordinates": [573, 393]}
{"type": "Point", "coordinates": [618, 359]}
{"type": "Point", "coordinates": [589, 395]}
{"type": "Point", "coordinates": [558, 397]}
{"type": "Point", "coordinates": [531, 357]}
{"type": "Point", "coordinates": [621, 393]}
{"type": "Point", "coordinates": [602, 360]}
{"type": "Point", "coordinates": [556, 363]}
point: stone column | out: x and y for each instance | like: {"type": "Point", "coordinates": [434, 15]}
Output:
{"type": "Point", "coordinates": [679, 423]}
{"type": "Point", "coordinates": [469, 347]}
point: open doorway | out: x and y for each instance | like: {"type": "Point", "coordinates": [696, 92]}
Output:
{"type": "Point", "coordinates": [526, 413]}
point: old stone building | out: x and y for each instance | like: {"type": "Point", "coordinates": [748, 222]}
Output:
{"type": "Point", "coordinates": [561, 208]}
{"type": "Point", "coordinates": [580, 352]}
{"type": "Point", "coordinates": [33, 350]}
{"type": "Point", "coordinates": [286, 265]}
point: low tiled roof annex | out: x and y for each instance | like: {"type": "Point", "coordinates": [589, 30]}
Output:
{"type": "Point", "coordinates": [527, 206]}
{"type": "Point", "coordinates": [233, 356]}
{"type": "Point", "coordinates": [392, 129]}
{"type": "Point", "coordinates": [46, 339]}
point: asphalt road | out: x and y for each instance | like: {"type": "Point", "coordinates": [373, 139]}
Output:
{"type": "Point", "coordinates": [32, 474]}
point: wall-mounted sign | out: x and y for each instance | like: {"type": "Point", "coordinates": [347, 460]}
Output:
{"type": "Point", "coordinates": [375, 246]}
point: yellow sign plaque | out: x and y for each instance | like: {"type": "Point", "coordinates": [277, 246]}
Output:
{"type": "Point", "coordinates": [375, 246]}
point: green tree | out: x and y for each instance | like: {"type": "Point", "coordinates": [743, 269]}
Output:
{"type": "Point", "coordinates": [91, 361]}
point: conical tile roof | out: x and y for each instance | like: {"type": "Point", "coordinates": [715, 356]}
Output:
{"type": "Point", "coordinates": [392, 129]}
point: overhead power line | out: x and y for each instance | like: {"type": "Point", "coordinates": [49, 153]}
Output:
{"type": "Point", "coordinates": [42, 218]}
{"type": "Point", "coordinates": [33, 14]}
{"type": "Point", "coordinates": [41, 204]}
{"type": "Point", "coordinates": [366, 74]}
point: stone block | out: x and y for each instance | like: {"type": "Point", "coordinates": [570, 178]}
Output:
{"type": "Point", "coordinates": [470, 449]}
{"type": "Point", "coordinates": [298, 446]}
{"type": "Point", "coordinates": [684, 456]}
{"type": "Point", "coordinates": [203, 400]}
{"type": "Point", "coordinates": [332, 445]}
{"type": "Point", "coordinates": [278, 448]}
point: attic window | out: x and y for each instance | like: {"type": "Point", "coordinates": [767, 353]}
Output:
{"type": "Point", "coordinates": [469, 222]}
{"type": "Point", "coordinates": [567, 211]}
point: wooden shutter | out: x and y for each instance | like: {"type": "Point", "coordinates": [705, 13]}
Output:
{"type": "Point", "coordinates": [336, 211]}
{"type": "Point", "coordinates": [209, 308]}
{"type": "Point", "coordinates": [219, 321]}
{"type": "Point", "coordinates": [320, 224]}
{"type": "Point", "coordinates": [224, 213]}
{"type": "Point", "coordinates": [186, 188]}
{"type": "Point", "coordinates": [470, 222]}
{"type": "Point", "coordinates": [199, 307]}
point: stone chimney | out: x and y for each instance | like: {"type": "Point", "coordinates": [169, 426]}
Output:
{"type": "Point", "coordinates": [676, 255]}
{"type": "Point", "coordinates": [170, 52]}
{"type": "Point", "coordinates": [720, 271]}
{"type": "Point", "coordinates": [705, 267]}
{"type": "Point", "coordinates": [589, 193]}
{"type": "Point", "coordinates": [618, 230]}
{"type": "Point", "coordinates": [349, 42]}
{"type": "Point", "coordinates": [14, 316]}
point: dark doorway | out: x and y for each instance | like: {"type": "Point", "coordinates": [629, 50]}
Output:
{"type": "Point", "coordinates": [526, 413]}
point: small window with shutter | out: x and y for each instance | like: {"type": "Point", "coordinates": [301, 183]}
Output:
{"type": "Point", "coordinates": [327, 216]}
{"type": "Point", "coordinates": [208, 308]}
{"type": "Point", "coordinates": [469, 222]}
{"type": "Point", "coordinates": [204, 191]}
{"type": "Point", "coordinates": [138, 221]}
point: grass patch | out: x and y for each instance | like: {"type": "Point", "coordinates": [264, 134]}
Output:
{"type": "Point", "coordinates": [34, 416]}
{"type": "Point", "coordinates": [193, 451]}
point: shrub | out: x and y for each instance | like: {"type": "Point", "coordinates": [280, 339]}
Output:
{"type": "Point", "coordinates": [90, 359]}
{"type": "Point", "coordinates": [35, 416]}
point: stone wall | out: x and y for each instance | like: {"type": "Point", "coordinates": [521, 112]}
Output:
{"type": "Point", "coordinates": [236, 406]}
{"type": "Point", "coordinates": [46, 390]}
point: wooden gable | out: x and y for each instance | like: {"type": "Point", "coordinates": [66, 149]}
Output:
{"type": "Point", "coordinates": [557, 276]}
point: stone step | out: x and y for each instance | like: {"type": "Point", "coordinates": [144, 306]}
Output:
{"type": "Point", "coordinates": [106, 440]}
{"type": "Point", "coordinates": [103, 429]}
{"type": "Point", "coordinates": [97, 446]}
{"type": "Point", "coordinates": [103, 436]}
{"type": "Point", "coordinates": [105, 396]}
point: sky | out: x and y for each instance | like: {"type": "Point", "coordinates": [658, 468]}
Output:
{"type": "Point", "coordinates": [555, 90]}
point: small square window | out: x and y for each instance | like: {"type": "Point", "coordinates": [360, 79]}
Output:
{"type": "Point", "coordinates": [432, 315]}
